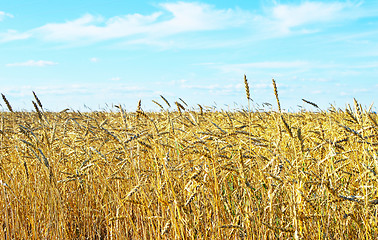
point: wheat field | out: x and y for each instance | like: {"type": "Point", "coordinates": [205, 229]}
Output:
{"type": "Point", "coordinates": [189, 173]}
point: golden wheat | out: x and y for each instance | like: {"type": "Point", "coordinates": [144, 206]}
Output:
{"type": "Point", "coordinates": [7, 103]}
{"type": "Point", "coordinates": [189, 174]}
{"type": "Point", "coordinates": [276, 94]}
{"type": "Point", "coordinates": [246, 85]}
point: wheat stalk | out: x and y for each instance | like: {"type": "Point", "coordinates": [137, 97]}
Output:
{"type": "Point", "coordinates": [166, 228]}
{"type": "Point", "coordinates": [7, 103]}
{"type": "Point", "coordinates": [300, 138]}
{"type": "Point", "coordinates": [179, 107]}
{"type": "Point", "coordinates": [165, 100]}
{"type": "Point", "coordinates": [183, 102]}
{"type": "Point", "coordinates": [158, 104]}
{"type": "Point", "coordinates": [246, 86]}
{"type": "Point", "coordinates": [311, 103]}
{"type": "Point", "coordinates": [37, 110]}
{"type": "Point", "coordinates": [358, 111]}
{"type": "Point", "coordinates": [201, 109]}
{"type": "Point", "coordinates": [276, 94]}
{"type": "Point", "coordinates": [38, 101]}
{"type": "Point", "coordinates": [287, 127]}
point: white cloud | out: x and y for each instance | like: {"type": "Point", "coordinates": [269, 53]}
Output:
{"type": "Point", "coordinates": [361, 90]}
{"type": "Point", "coordinates": [12, 35]}
{"type": "Point", "coordinates": [214, 87]}
{"type": "Point", "coordinates": [290, 16]}
{"type": "Point", "coordinates": [32, 63]}
{"type": "Point", "coordinates": [94, 59]}
{"type": "Point", "coordinates": [274, 64]}
{"type": "Point", "coordinates": [373, 64]}
{"type": "Point", "coordinates": [91, 28]}
{"type": "Point", "coordinates": [4, 15]}
{"type": "Point", "coordinates": [197, 16]}
{"type": "Point", "coordinates": [69, 89]}
{"type": "Point", "coordinates": [184, 17]}
{"type": "Point", "coordinates": [157, 28]}
{"type": "Point", "coordinates": [282, 66]}
{"type": "Point", "coordinates": [56, 97]}
{"type": "Point", "coordinates": [115, 79]}
{"type": "Point", "coordinates": [242, 68]}
{"type": "Point", "coordinates": [317, 92]}
{"type": "Point", "coordinates": [179, 82]}
{"type": "Point", "coordinates": [175, 18]}
{"type": "Point", "coordinates": [202, 87]}
{"type": "Point", "coordinates": [260, 86]}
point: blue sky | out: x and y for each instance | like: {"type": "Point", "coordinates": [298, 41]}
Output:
{"type": "Point", "coordinates": [92, 53]}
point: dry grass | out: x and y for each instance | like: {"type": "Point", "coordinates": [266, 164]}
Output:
{"type": "Point", "coordinates": [185, 174]}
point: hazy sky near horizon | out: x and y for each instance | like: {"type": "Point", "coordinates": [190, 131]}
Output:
{"type": "Point", "coordinates": [92, 53]}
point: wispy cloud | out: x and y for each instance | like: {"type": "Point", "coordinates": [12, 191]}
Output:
{"type": "Point", "coordinates": [70, 89]}
{"type": "Point", "coordinates": [241, 68]}
{"type": "Point", "coordinates": [214, 87]}
{"type": "Point", "coordinates": [94, 59]}
{"type": "Point", "coordinates": [32, 63]}
{"type": "Point", "coordinates": [115, 79]}
{"type": "Point", "coordinates": [12, 35]}
{"type": "Point", "coordinates": [151, 29]}
{"type": "Point", "coordinates": [185, 17]}
{"type": "Point", "coordinates": [273, 64]}
{"type": "Point", "coordinates": [286, 17]}
{"type": "Point", "coordinates": [4, 15]}
{"type": "Point", "coordinates": [172, 19]}
{"type": "Point", "coordinates": [179, 82]}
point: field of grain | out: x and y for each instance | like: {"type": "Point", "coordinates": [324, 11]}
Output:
{"type": "Point", "coordinates": [189, 173]}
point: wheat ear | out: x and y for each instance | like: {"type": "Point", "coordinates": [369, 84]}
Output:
{"type": "Point", "coordinates": [37, 99]}
{"type": "Point", "coordinates": [165, 100]}
{"type": "Point", "coordinates": [246, 87]}
{"type": "Point", "coordinates": [7, 103]}
{"type": "Point", "coordinates": [276, 94]}
{"type": "Point", "coordinates": [311, 103]}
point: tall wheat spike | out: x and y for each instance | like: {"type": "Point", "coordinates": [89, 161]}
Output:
{"type": "Point", "coordinates": [165, 100]}
{"type": "Point", "coordinates": [7, 103]}
{"type": "Point", "coordinates": [276, 94]}
{"type": "Point", "coordinates": [158, 104]}
{"type": "Point", "coordinates": [358, 111]}
{"type": "Point", "coordinates": [37, 99]}
{"type": "Point", "coordinates": [311, 103]}
{"type": "Point", "coordinates": [246, 87]}
{"type": "Point", "coordinates": [37, 110]}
